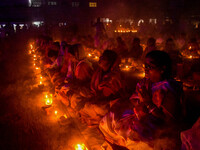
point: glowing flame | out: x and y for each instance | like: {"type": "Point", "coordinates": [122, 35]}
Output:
{"type": "Point", "coordinates": [49, 101]}
{"type": "Point", "coordinates": [96, 57]}
{"type": "Point", "coordinates": [34, 56]}
{"type": "Point", "coordinates": [190, 47]}
{"type": "Point", "coordinates": [126, 67]}
{"type": "Point", "coordinates": [33, 64]}
{"type": "Point", "coordinates": [81, 147]}
{"type": "Point", "coordinates": [29, 52]}
{"type": "Point", "coordinates": [40, 77]}
{"type": "Point", "coordinates": [190, 56]}
{"type": "Point", "coordinates": [40, 82]}
{"type": "Point", "coordinates": [31, 46]}
{"type": "Point", "coordinates": [89, 55]}
{"type": "Point", "coordinates": [56, 112]}
{"type": "Point", "coordinates": [36, 68]}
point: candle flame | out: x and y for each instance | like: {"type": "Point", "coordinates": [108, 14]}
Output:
{"type": "Point", "coordinates": [89, 55]}
{"type": "Point", "coordinates": [31, 46]}
{"type": "Point", "coordinates": [36, 68]}
{"type": "Point", "coordinates": [40, 82]}
{"type": "Point", "coordinates": [49, 101]}
{"type": "Point", "coordinates": [81, 147]}
{"type": "Point", "coordinates": [56, 112]}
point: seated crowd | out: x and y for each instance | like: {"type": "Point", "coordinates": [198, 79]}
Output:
{"type": "Point", "coordinates": [96, 92]}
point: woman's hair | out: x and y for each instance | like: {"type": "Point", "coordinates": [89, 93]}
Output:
{"type": "Point", "coordinates": [136, 40]}
{"type": "Point", "coordinates": [52, 53]}
{"type": "Point", "coordinates": [151, 42]}
{"type": "Point", "coordinates": [77, 51]}
{"type": "Point", "coordinates": [162, 60]}
{"type": "Point", "coordinates": [110, 56]}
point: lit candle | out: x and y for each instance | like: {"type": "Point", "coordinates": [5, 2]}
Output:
{"type": "Point", "coordinates": [80, 147]}
{"type": "Point", "coordinates": [65, 116]}
{"type": "Point", "coordinates": [49, 101]}
{"type": "Point", "coordinates": [96, 57]}
{"type": "Point", "coordinates": [89, 55]}
{"type": "Point", "coordinates": [31, 46]}
{"type": "Point", "coordinates": [56, 112]}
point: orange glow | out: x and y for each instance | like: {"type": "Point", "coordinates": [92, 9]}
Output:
{"type": "Point", "coordinates": [33, 64]}
{"type": "Point", "coordinates": [49, 101]}
{"type": "Point", "coordinates": [96, 57]}
{"type": "Point", "coordinates": [80, 147]}
{"type": "Point", "coordinates": [89, 55]}
{"type": "Point", "coordinates": [34, 56]}
{"type": "Point", "coordinates": [190, 47]}
{"type": "Point", "coordinates": [40, 82]}
{"type": "Point", "coordinates": [29, 52]}
{"type": "Point", "coordinates": [126, 68]}
{"type": "Point", "coordinates": [36, 68]}
{"type": "Point", "coordinates": [31, 46]}
{"type": "Point", "coordinates": [56, 112]}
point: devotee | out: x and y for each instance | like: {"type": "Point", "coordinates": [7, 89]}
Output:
{"type": "Point", "coordinates": [107, 87]}
{"type": "Point", "coordinates": [190, 138]}
{"type": "Point", "coordinates": [136, 49]}
{"type": "Point", "coordinates": [174, 54]}
{"type": "Point", "coordinates": [154, 119]}
{"type": "Point", "coordinates": [121, 48]}
{"type": "Point", "coordinates": [100, 32]}
{"type": "Point", "coordinates": [78, 77]}
{"type": "Point", "coordinates": [151, 45]}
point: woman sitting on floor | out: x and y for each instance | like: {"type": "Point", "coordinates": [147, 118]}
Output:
{"type": "Point", "coordinates": [77, 80]}
{"type": "Point", "coordinates": [156, 111]}
{"type": "Point", "coordinates": [107, 88]}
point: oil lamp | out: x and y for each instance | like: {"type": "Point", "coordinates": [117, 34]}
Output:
{"type": "Point", "coordinates": [48, 100]}
{"type": "Point", "coordinates": [80, 147]}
